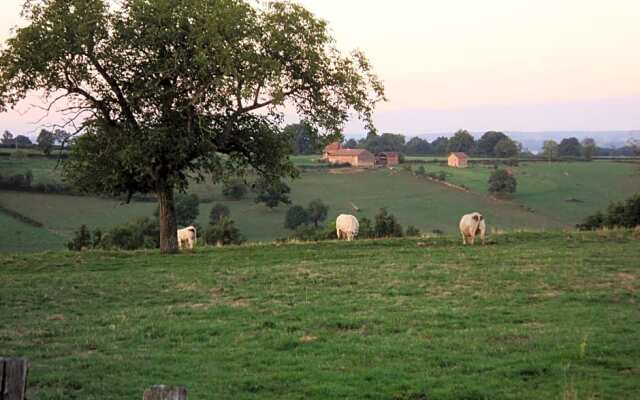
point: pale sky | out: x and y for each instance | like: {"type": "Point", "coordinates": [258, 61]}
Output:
{"type": "Point", "coordinates": [526, 65]}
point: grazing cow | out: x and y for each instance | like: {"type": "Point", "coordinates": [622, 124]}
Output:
{"type": "Point", "coordinates": [187, 237]}
{"type": "Point", "coordinates": [470, 226]}
{"type": "Point", "coordinates": [347, 226]}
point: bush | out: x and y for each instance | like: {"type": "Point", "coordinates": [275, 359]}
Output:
{"type": "Point", "coordinates": [272, 193]}
{"type": "Point", "coordinates": [223, 233]}
{"type": "Point", "coordinates": [420, 171]}
{"type": "Point", "coordinates": [296, 216]}
{"type": "Point", "coordinates": [366, 230]}
{"type": "Point", "coordinates": [81, 240]}
{"type": "Point", "coordinates": [501, 182]}
{"type": "Point", "coordinates": [235, 190]}
{"type": "Point", "coordinates": [412, 231]}
{"type": "Point", "coordinates": [317, 212]}
{"type": "Point", "coordinates": [442, 176]}
{"type": "Point", "coordinates": [141, 233]}
{"type": "Point", "coordinates": [218, 211]}
{"type": "Point", "coordinates": [619, 214]}
{"type": "Point", "coordinates": [386, 225]}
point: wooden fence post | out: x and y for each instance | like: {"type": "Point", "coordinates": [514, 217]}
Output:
{"type": "Point", "coordinates": [13, 378]}
{"type": "Point", "coordinates": [164, 392]}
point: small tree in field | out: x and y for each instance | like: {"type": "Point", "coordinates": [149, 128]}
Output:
{"type": "Point", "coordinates": [272, 193]}
{"type": "Point", "coordinates": [218, 211]}
{"type": "Point", "coordinates": [501, 182]}
{"type": "Point", "coordinates": [45, 141]}
{"type": "Point", "coordinates": [296, 216]}
{"type": "Point", "coordinates": [174, 90]}
{"type": "Point", "coordinates": [317, 212]}
{"type": "Point", "coordinates": [235, 190]}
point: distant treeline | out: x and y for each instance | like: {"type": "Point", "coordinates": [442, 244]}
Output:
{"type": "Point", "coordinates": [490, 144]}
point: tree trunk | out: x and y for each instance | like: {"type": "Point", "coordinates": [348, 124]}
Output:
{"type": "Point", "coordinates": [168, 224]}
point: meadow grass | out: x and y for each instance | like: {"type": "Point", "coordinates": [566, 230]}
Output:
{"type": "Point", "coordinates": [19, 237]}
{"type": "Point", "coordinates": [541, 201]}
{"type": "Point", "coordinates": [529, 316]}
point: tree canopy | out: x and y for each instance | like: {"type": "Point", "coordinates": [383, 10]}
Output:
{"type": "Point", "coordinates": [173, 89]}
{"type": "Point", "coordinates": [461, 141]}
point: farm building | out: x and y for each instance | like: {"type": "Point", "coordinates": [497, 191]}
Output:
{"type": "Point", "coordinates": [388, 158]}
{"type": "Point", "coordinates": [335, 154]}
{"type": "Point", "coordinates": [458, 160]}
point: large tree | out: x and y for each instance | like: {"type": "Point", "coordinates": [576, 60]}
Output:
{"type": "Point", "coordinates": [45, 140]}
{"type": "Point", "coordinates": [506, 148]}
{"type": "Point", "coordinates": [304, 138]}
{"type": "Point", "coordinates": [487, 143]}
{"type": "Point", "coordinates": [570, 147]}
{"type": "Point", "coordinates": [174, 89]}
{"type": "Point", "coordinates": [7, 138]}
{"type": "Point", "coordinates": [550, 149]}
{"type": "Point", "coordinates": [462, 141]}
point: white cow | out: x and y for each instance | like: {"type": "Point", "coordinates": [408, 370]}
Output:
{"type": "Point", "coordinates": [470, 226]}
{"type": "Point", "coordinates": [347, 226]}
{"type": "Point", "coordinates": [187, 237]}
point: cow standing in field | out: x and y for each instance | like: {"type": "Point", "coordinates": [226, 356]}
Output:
{"type": "Point", "coordinates": [187, 237]}
{"type": "Point", "coordinates": [472, 225]}
{"type": "Point", "coordinates": [347, 227]}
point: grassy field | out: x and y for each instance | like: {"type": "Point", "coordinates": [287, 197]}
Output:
{"type": "Point", "coordinates": [543, 188]}
{"type": "Point", "coordinates": [551, 189]}
{"type": "Point", "coordinates": [18, 236]}
{"type": "Point", "coordinates": [529, 316]}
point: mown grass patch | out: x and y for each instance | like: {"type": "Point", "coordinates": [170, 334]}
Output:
{"type": "Point", "coordinates": [532, 315]}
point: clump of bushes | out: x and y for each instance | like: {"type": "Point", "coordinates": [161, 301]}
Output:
{"type": "Point", "coordinates": [218, 211]}
{"type": "Point", "coordinates": [624, 214]}
{"type": "Point", "coordinates": [223, 233]}
{"type": "Point", "coordinates": [272, 193]}
{"type": "Point", "coordinates": [235, 190]}
{"type": "Point", "coordinates": [142, 233]}
{"type": "Point", "coordinates": [386, 225]}
{"type": "Point", "coordinates": [501, 182]}
{"type": "Point", "coordinates": [315, 213]}
{"type": "Point", "coordinates": [412, 231]}
{"type": "Point", "coordinates": [439, 176]}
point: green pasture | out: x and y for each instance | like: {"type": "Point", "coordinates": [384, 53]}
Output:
{"type": "Point", "coordinates": [564, 191]}
{"type": "Point", "coordinates": [528, 316]}
{"type": "Point", "coordinates": [17, 236]}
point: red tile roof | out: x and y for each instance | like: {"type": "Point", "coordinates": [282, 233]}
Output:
{"type": "Point", "coordinates": [460, 155]}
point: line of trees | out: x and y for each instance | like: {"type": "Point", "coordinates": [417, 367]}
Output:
{"type": "Point", "coordinates": [490, 144]}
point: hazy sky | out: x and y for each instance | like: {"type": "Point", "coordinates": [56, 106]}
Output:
{"type": "Point", "coordinates": [526, 65]}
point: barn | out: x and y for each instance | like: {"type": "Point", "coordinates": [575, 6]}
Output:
{"type": "Point", "coordinates": [388, 158]}
{"type": "Point", "coordinates": [458, 160]}
{"type": "Point", "coordinates": [334, 153]}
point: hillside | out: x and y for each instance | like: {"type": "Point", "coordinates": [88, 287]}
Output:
{"type": "Point", "coordinates": [530, 315]}
{"type": "Point", "coordinates": [549, 196]}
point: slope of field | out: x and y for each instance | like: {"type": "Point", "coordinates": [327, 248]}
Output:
{"type": "Point", "coordinates": [529, 316]}
{"type": "Point", "coordinates": [564, 191]}
{"type": "Point", "coordinates": [17, 236]}
{"type": "Point", "coordinates": [422, 203]}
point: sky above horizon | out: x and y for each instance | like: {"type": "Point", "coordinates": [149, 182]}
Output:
{"type": "Point", "coordinates": [512, 65]}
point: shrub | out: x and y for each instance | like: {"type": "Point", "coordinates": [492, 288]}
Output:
{"type": "Point", "coordinates": [218, 211]}
{"type": "Point", "coordinates": [317, 212]}
{"type": "Point", "coordinates": [501, 182]}
{"type": "Point", "coordinates": [420, 171]}
{"type": "Point", "coordinates": [81, 240]}
{"type": "Point", "coordinates": [366, 230]}
{"type": "Point", "coordinates": [272, 193]}
{"type": "Point", "coordinates": [141, 233]}
{"type": "Point", "coordinates": [223, 233]}
{"type": "Point", "coordinates": [619, 214]}
{"type": "Point", "coordinates": [386, 225]}
{"type": "Point", "coordinates": [235, 190]}
{"type": "Point", "coordinates": [412, 231]}
{"type": "Point", "coordinates": [442, 176]}
{"type": "Point", "coordinates": [296, 216]}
